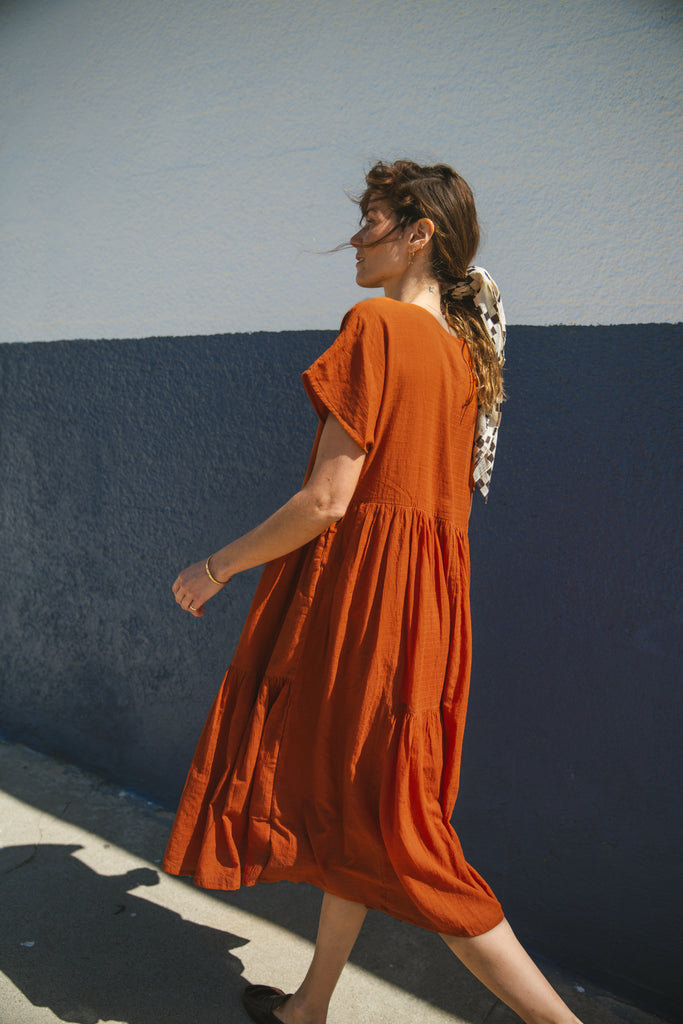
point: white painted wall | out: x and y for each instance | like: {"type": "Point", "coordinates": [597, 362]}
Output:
{"type": "Point", "coordinates": [166, 166]}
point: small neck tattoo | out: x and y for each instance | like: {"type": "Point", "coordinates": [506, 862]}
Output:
{"type": "Point", "coordinates": [431, 288]}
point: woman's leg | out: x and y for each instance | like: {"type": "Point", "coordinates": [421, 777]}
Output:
{"type": "Point", "coordinates": [340, 922]}
{"type": "Point", "coordinates": [500, 962]}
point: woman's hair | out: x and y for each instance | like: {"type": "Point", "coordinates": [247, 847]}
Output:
{"type": "Point", "coordinates": [439, 193]}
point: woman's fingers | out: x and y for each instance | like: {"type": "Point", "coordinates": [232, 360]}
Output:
{"type": "Point", "coordinates": [193, 588]}
{"type": "Point", "coordinates": [183, 598]}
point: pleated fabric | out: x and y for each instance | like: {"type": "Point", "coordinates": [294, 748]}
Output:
{"type": "Point", "coordinates": [332, 752]}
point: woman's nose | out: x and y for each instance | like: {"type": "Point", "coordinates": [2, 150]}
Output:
{"type": "Point", "coordinates": [355, 240]}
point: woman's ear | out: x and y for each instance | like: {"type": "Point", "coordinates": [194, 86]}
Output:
{"type": "Point", "coordinates": [421, 232]}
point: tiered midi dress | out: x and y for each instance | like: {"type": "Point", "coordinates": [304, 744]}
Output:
{"type": "Point", "coordinates": [331, 754]}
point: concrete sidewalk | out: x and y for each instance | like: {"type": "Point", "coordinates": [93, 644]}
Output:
{"type": "Point", "coordinates": [91, 930]}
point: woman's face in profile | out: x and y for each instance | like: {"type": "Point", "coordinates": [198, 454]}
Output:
{"type": "Point", "coordinates": [381, 252]}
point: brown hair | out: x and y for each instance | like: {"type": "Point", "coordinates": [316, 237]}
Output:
{"type": "Point", "coordinates": [411, 192]}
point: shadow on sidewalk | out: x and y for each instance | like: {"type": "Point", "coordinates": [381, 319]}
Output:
{"type": "Point", "coordinates": [89, 949]}
{"type": "Point", "coordinates": [396, 953]}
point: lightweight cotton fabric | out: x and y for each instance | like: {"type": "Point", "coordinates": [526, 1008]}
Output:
{"type": "Point", "coordinates": [332, 751]}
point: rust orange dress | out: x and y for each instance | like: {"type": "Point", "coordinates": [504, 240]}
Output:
{"type": "Point", "coordinates": [331, 754]}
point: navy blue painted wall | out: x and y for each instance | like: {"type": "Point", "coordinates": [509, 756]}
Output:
{"type": "Point", "coordinates": [121, 461]}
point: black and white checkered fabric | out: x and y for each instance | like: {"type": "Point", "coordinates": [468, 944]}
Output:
{"type": "Point", "coordinates": [484, 290]}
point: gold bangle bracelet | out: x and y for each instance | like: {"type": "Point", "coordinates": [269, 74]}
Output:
{"type": "Point", "coordinates": [211, 575]}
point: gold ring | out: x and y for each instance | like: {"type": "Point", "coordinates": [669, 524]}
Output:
{"type": "Point", "coordinates": [192, 608]}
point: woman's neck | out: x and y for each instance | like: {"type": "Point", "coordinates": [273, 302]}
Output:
{"type": "Point", "coordinates": [420, 290]}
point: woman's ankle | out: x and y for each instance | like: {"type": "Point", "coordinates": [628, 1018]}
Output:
{"type": "Point", "coordinates": [297, 1011]}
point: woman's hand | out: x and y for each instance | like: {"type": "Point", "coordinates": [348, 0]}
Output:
{"type": "Point", "coordinates": [193, 589]}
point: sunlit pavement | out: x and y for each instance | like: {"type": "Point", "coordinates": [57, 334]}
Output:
{"type": "Point", "coordinates": [91, 930]}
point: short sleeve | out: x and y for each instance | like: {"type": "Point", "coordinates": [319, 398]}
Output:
{"type": "Point", "coordinates": [348, 379]}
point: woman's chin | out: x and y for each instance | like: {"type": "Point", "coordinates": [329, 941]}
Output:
{"type": "Point", "coordinates": [365, 282]}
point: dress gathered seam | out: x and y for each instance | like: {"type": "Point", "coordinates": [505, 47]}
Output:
{"type": "Point", "coordinates": [363, 502]}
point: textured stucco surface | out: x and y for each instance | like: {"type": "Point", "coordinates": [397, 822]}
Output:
{"type": "Point", "coordinates": [168, 167]}
{"type": "Point", "coordinates": [122, 461]}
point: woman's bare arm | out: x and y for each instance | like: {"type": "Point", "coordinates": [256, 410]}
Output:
{"type": "Point", "coordinates": [322, 501]}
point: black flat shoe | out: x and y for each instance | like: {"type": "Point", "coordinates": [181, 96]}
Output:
{"type": "Point", "coordinates": [260, 1001]}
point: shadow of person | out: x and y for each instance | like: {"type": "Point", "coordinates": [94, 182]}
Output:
{"type": "Point", "coordinates": [86, 947]}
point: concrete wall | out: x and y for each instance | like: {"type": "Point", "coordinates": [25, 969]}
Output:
{"type": "Point", "coordinates": [168, 165]}
{"type": "Point", "coordinates": [122, 461]}
{"type": "Point", "coordinates": [168, 169]}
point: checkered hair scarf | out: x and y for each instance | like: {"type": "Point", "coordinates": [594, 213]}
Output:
{"type": "Point", "coordinates": [484, 290]}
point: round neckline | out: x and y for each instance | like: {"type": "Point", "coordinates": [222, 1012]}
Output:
{"type": "Point", "coordinates": [429, 313]}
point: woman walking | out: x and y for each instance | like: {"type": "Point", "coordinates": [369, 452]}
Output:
{"type": "Point", "coordinates": [332, 751]}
